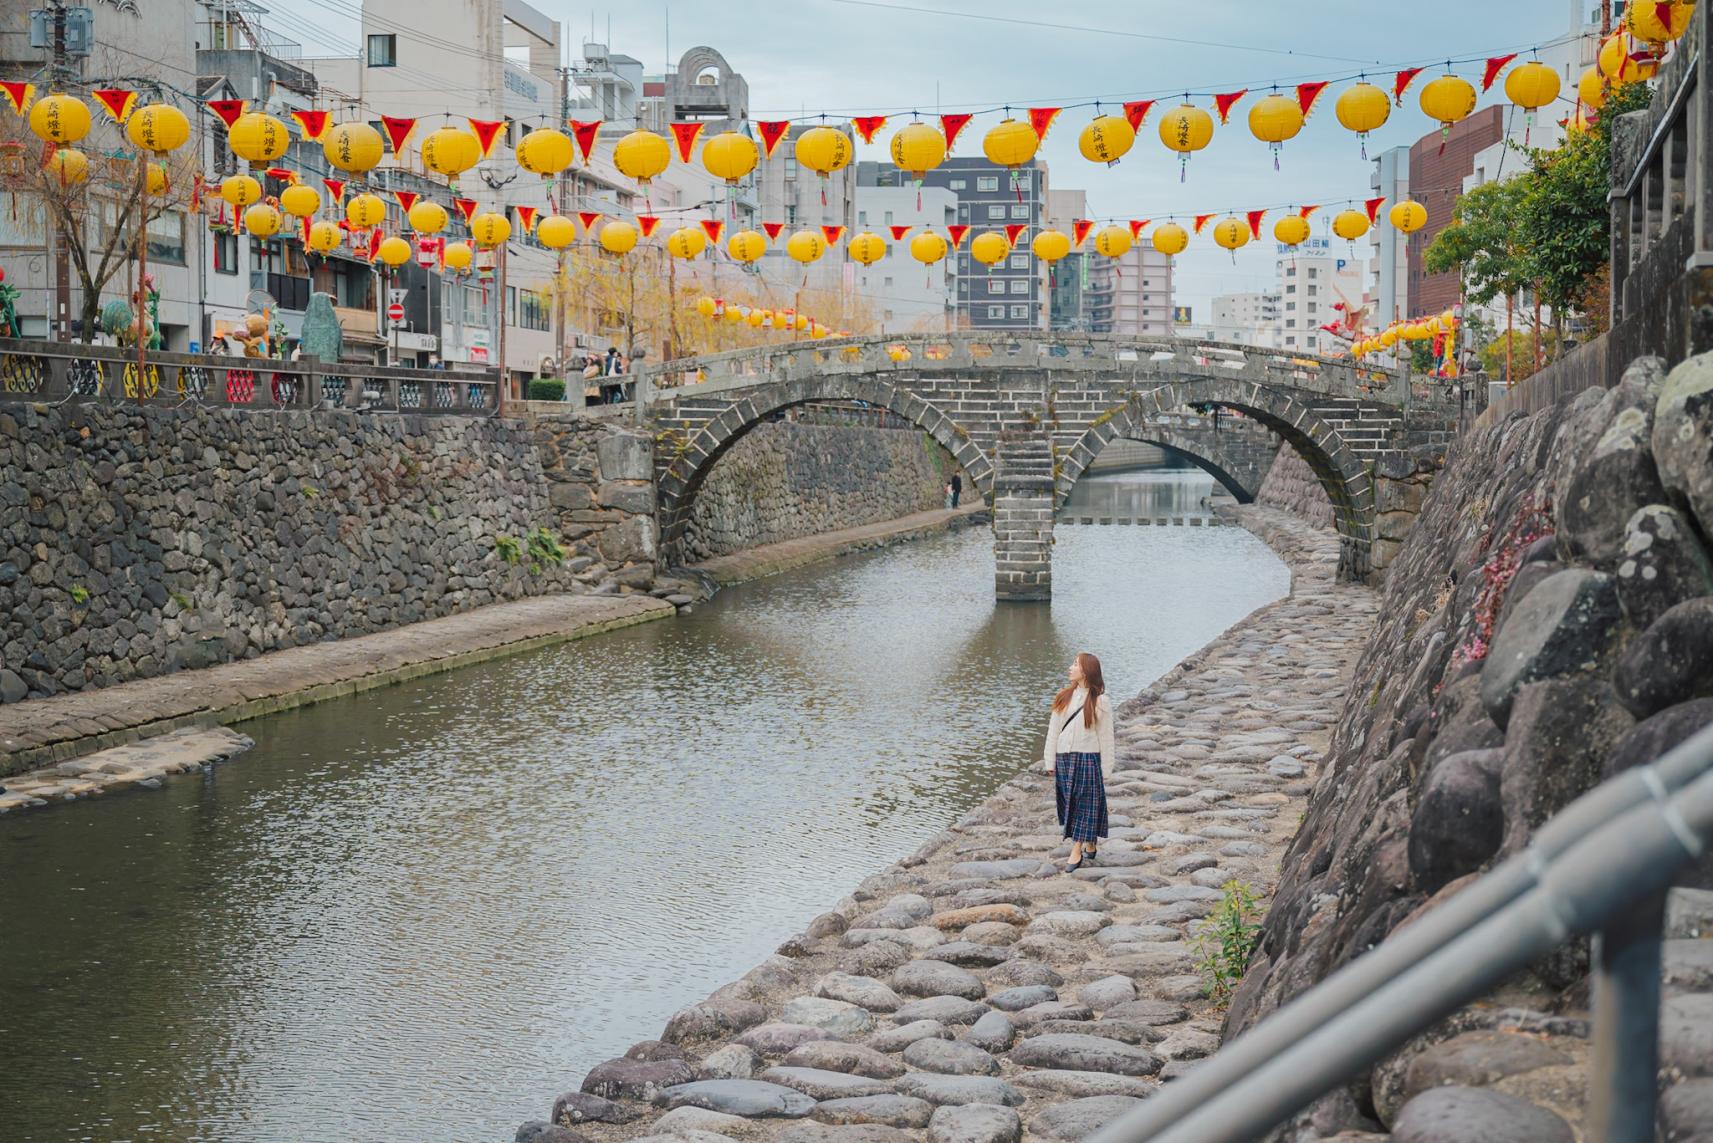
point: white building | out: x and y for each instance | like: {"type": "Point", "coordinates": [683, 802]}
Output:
{"type": "Point", "coordinates": [1315, 279]}
{"type": "Point", "coordinates": [1388, 246]}
{"type": "Point", "coordinates": [1132, 295]}
{"type": "Point", "coordinates": [1246, 319]}
{"type": "Point", "coordinates": [905, 295]}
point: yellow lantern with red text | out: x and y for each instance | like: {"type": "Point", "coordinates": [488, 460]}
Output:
{"type": "Point", "coordinates": [544, 151]}
{"type": "Point", "coordinates": [325, 237]}
{"type": "Point", "coordinates": [805, 246]}
{"type": "Point", "coordinates": [240, 190]}
{"type": "Point", "coordinates": [1106, 139]}
{"type": "Point", "coordinates": [1292, 230]}
{"type": "Point", "coordinates": [60, 118]}
{"type": "Point", "coordinates": [1408, 216]}
{"type": "Point", "coordinates": [1231, 234]}
{"type": "Point", "coordinates": [1448, 99]}
{"type": "Point", "coordinates": [823, 150]}
{"type": "Point", "coordinates": [867, 248]}
{"type": "Point", "coordinates": [686, 242]}
{"type": "Point", "coordinates": [457, 255]}
{"type": "Point", "coordinates": [258, 139]}
{"type": "Point", "coordinates": [428, 217]}
{"type": "Point", "coordinates": [365, 210]}
{"type": "Point", "coordinates": [450, 152]}
{"type": "Point", "coordinates": [990, 248]}
{"type": "Point", "coordinates": [353, 147]}
{"type": "Point", "coordinates": [918, 148]}
{"type": "Point", "coordinates": [300, 201]}
{"type": "Point", "coordinates": [1051, 245]}
{"type": "Point", "coordinates": [928, 248]}
{"type": "Point", "coordinates": [1170, 239]}
{"type": "Point", "coordinates": [261, 221]}
{"type": "Point", "coordinates": [1113, 241]}
{"type": "Point", "coordinates": [490, 229]}
{"type": "Point", "coordinates": [746, 246]}
{"type": "Point", "coordinates": [1350, 224]}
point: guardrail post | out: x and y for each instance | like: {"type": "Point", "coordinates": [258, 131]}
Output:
{"type": "Point", "coordinates": [640, 394]}
{"type": "Point", "coordinates": [1625, 1051]}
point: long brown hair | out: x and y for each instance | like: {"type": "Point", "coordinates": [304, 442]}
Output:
{"type": "Point", "coordinates": [1091, 680]}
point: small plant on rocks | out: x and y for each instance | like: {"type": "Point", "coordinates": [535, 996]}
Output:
{"type": "Point", "coordinates": [544, 548]}
{"type": "Point", "coordinates": [1228, 939]}
{"type": "Point", "coordinates": [79, 594]}
{"type": "Point", "coordinates": [508, 548]}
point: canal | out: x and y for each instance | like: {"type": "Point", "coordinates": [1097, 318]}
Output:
{"type": "Point", "coordinates": [421, 912]}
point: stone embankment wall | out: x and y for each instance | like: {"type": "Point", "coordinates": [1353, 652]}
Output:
{"type": "Point", "coordinates": [786, 480]}
{"type": "Point", "coordinates": [1548, 623]}
{"type": "Point", "coordinates": [136, 541]}
{"type": "Point", "coordinates": [1292, 485]}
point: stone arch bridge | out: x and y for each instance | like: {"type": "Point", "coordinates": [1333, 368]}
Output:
{"type": "Point", "coordinates": [1023, 416]}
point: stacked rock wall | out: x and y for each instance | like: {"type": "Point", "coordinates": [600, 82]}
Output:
{"type": "Point", "coordinates": [1292, 485]}
{"type": "Point", "coordinates": [787, 479]}
{"type": "Point", "coordinates": [1547, 624]}
{"type": "Point", "coordinates": [135, 541]}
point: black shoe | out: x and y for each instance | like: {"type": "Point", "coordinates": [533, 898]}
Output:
{"type": "Point", "coordinates": [1075, 865]}
{"type": "Point", "coordinates": [1089, 855]}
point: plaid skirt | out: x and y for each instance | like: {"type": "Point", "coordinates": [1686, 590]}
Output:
{"type": "Point", "coordinates": [1081, 795]}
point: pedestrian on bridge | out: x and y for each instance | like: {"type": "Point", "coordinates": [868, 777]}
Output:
{"type": "Point", "coordinates": [1080, 753]}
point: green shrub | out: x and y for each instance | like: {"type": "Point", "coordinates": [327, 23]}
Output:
{"type": "Point", "coordinates": [547, 389]}
{"type": "Point", "coordinates": [1228, 939]}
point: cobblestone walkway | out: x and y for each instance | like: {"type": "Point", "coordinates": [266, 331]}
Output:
{"type": "Point", "coordinates": [974, 991]}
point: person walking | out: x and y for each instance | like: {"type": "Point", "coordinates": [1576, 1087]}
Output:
{"type": "Point", "coordinates": [957, 488]}
{"type": "Point", "coordinates": [1080, 753]}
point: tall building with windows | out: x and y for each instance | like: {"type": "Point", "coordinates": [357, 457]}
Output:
{"type": "Point", "coordinates": [1132, 294]}
{"type": "Point", "coordinates": [904, 295]}
{"type": "Point", "coordinates": [1246, 319]}
{"type": "Point", "coordinates": [1319, 282]}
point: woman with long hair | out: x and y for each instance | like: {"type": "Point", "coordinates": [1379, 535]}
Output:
{"type": "Point", "coordinates": [1080, 754]}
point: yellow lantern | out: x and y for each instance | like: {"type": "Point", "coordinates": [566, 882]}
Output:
{"type": "Point", "coordinates": [1416, 331]}
{"type": "Point", "coordinates": [241, 190]}
{"type": "Point", "coordinates": [69, 166]}
{"type": "Point", "coordinates": [258, 139]}
{"type": "Point", "coordinates": [867, 248]}
{"type": "Point", "coordinates": [618, 238]}
{"type": "Point", "coordinates": [556, 232]}
{"type": "Point", "coordinates": [262, 221]}
{"type": "Point", "coordinates": [730, 156]}
{"type": "Point", "coordinates": [353, 147]}
{"type": "Point", "coordinates": [1408, 216]}
{"type": "Point", "coordinates": [1432, 324]}
{"type": "Point", "coordinates": [928, 248]}
{"type": "Point", "coordinates": [706, 307]}
{"type": "Point", "coordinates": [60, 119]}
{"type": "Point", "coordinates": [800, 323]}
{"type": "Point", "coordinates": [898, 352]}
{"type": "Point", "coordinates": [1660, 23]}
{"type": "Point", "coordinates": [457, 255]}
{"type": "Point", "coordinates": [686, 242]}
{"type": "Point", "coordinates": [1231, 234]}
{"type": "Point", "coordinates": [428, 217]}
{"type": "Point", "coordinates": [450, 152]}
{"type": "Point", "coordinates": [365, 210]}
{"type": "Point", "coordinates": [1051, 245]}
{"type": "Point", "coordinates": [1114, 241]}
{"type": "Point", "coordinates": [156, 179]}
{"type": "Point", "coordinates": [1350, 225]}
{"type": "Point", "coordinates": [746, 246]}
{"type": "Point", "coordinates": [394, 251]}
{"type": "Point", "coordinates": [641, 155]}
{"type": "Point", "coordinates": [300, 201]}
{"type": "Point", "coordinates": [544, 151]}
{"type": "Point", "coordinates": [734, 314]}
{"type": "Point", "coordinates": [1532, 85]}
{"type": "Point", "coordinates": [1170, 239]}
{"type": "Point", "coordinates": [1448, 99]}
{"type": "Point", "coordinates": [1010, 143]}
{"type": "Point", "coordinates": [824, 150]}
{"type": "Point", "coordinates": [490, 229]}
{"type": "Point", "coordinates": [1107, 139]}
{"type": "Point", "coordinates": [1186, 129]}
{"type": "Point", "coordinates": [818, 331]}
{"type": "Point", "coordinates": [1613, 59]}
{"type": "Point", "coordinates": [1291, 230]}
{"type": "Point", "coordinates": [807, 245]}
{"type": "Point", "coordinates": [1363, 108]}
{"type": "Point", "coordinates": [990, 248]}
{"type": "Point", "coordinates": [1591, 89]}
{"type": "Point", "coordinates": [1448, 320]}
{"type": "Point", "coordinates": [159, 127]}
{"type": "Point", "coordinates": [1389, 338]}
{"type": "Point", "coordinates": [918, 148]}
{"type": "Point", "coordinates": [325, 237]}
{"type": "Point", "coordinates": [1276, 118]}
{"type": "Point", "coordinates": [758, 318]}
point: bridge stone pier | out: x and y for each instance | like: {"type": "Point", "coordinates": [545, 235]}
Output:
{"type": "Point", "coordinates": [1025, 416]}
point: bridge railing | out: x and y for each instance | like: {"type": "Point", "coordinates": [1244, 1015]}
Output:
{"type": "Point", "coordinates": [1601, 866]}
{"type": "Point", "coordinates": [52, 371]}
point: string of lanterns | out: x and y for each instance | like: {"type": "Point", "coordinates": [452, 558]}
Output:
{"type": "Point", "coordinates": [757, 317]}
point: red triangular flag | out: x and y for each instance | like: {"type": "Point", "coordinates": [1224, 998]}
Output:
{"type": "Point", "coordinates": [686, 135]}
{"type": "Point", "coordinates": [898, 232]}
{"type": "Point", "coordinates": [1401, 83]}
{"type": "Point", "coordinates": [1304, 212]}
{"type": "Point", "coordinates": [313, 124]}
{"type": "Point", "coordinates": [956, 232]}
{"type": "Point", "coordinates": [282, 175]}
{"type": "Point", "coordinates": [396, 130]}
{"type": "Point", "coordinates": [526, 217]}
{"type": "Point", "coordinates": [1136, 112]}
{"type": "Point", "coordinates": [771, 131]}
{"type": "Point", "coordinates": [772, 229]}
{"type": "Point", "coordinates": [466, 208]}
{"type": "Point", "coordinates": [336, 188]}
{"type": "Point", "coordinates": [713, 228]}
{"type": "Point", "coordinates": [1255, 217]}
{"type": "Point", "coordinates": [18, 94]}
{"type": "Point", "coordinates": [306, 224]}
{"type": "Point", "coordinates": [1041, 119]}
{"type": "Point", "coordinates": [588, 218]}
{"type": "Point", "coordinates": [486, 130]}
{"type": "Point", "coordinates": [647, 224]}
{"type": "Point", "coordinates": [1079, 230]}
{"type": "Point", "coordinates": [1136, 225]}
{"type": "Point", "coordinates": [374, 243]}
{"type": "Point", "coordinates": [1201, 221]}
{"type": "Point", "coordinates": [1014, 231]}
{"type": "Point", "coordinates": [227, 109]}
{"type": "Point", "coordinates": [585, 133]}
{"type": "Point", "coordinates": [867, 125]}
{"type": "Point", "coordinates": [951, 125]}
{"type": "Point", "coordinates": [117, 101]}
{"type": "Point", "coordinates": [407, 199]}
{"type": "Point", "coordinates": [832, 234]}
{"type": "Point", "coordinates": [1493, 68]}
{"type": "Point", "coordinates": [1224, 103]}
{"type": "Point", "coordinates": [1373, 206]}
{"type": "Point", "coordinates": [1307, 93]}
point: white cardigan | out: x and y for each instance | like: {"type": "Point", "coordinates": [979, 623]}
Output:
{"type": "Point", "coordinates": [1072, 737]}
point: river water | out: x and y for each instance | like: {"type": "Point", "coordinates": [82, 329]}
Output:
{"type": "Point", "coordinates": [421, 912]}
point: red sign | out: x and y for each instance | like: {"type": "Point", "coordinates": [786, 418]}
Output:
{"type": "Point", "coordinates": [395, 313]}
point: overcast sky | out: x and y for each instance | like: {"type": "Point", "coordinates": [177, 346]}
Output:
{"type": "Point", "coordinates": [851, 56]}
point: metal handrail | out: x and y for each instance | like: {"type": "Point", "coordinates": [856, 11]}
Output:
{"type": "Point", "coordinates": [1600, 866]}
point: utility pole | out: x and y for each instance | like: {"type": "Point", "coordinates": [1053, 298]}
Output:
{"type": "Point", "coordinates": [61, 259]}
{"type": "Point", "coordinates": [561, 292]}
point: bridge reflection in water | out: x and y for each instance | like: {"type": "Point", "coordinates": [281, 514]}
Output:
{"type": "Point", "coordinates": [1161, 497]}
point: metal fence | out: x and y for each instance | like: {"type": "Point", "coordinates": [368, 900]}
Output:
{"type": "Point", "coordinates": [63, 371]}
{"type": "Point", "coordinates": [1599, 867]}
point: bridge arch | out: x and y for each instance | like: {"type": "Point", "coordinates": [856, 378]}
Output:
{"type": "Point", "coordinates": [684, 463]}
{"type": "Point", "coordinates": [1341, 473]}
{"type": "Point", "coordinates": [1236, 460]}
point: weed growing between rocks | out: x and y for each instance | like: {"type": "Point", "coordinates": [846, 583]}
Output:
{"type": "Point", "coordinates": [1226, 942]}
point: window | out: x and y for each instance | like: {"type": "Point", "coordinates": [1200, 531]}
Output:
{"type": "Point", "coordinates": [862, 218]}
{"type": "Point", "coordinates": [1313, 273]}
{"type": "Point", "coordinates": [1291, 323]}
{"type": "Point", "coordinates": [533, 311]}
{"type": "Point", "coordinates": [1019, 311]}
{"type": "Point", "coordinates": [889, 218]}
{"type": "Point", "coordinates": [790, 165]}
{"type": "Point", "coordinates": [225, 253]}
{"type": "Point", "coordinates": [996, 211]}
{"type": "Point", "coordinates": [1291, 272]}
{"type": "Point", "coordinates": [791, 214]}
{"type": "Point", "coordinates": [383, 51]}
{"type": "Point", "coordinates": [1290, 341]}
{"type": "Point", "coordinates": [475, 309]}
{"type": "Point", "coordinates": [1020, 261]}
{"type": "Point", "coordinates": [959, 184]}
{"type": "Point", "coordinates": [511, 305]}
{"type": "Point", "coordinates": [995, 286]}
{"type": "Point", "coordinates": [1020, 285]}
{"type": "Point", "coordinates": [987, 182]}
{"type": "Point", "coordinates": [995, 311]}
{"type": "Point", "coordinates": [1290, 307]}
{"type": "Point", "coordinates": [887, 282]}
{"type": "Point", "coordinates": [1291, 289]}
{"type": "Point", "coordinates": [1313, 290]}
{"type": "Point", "coordinates": [1019, 210]}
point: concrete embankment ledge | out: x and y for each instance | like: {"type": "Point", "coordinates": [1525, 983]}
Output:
{"type": "Point", "coordinates": [973, 991]}
{"type": "Point", "coordinates": [771, 559]}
